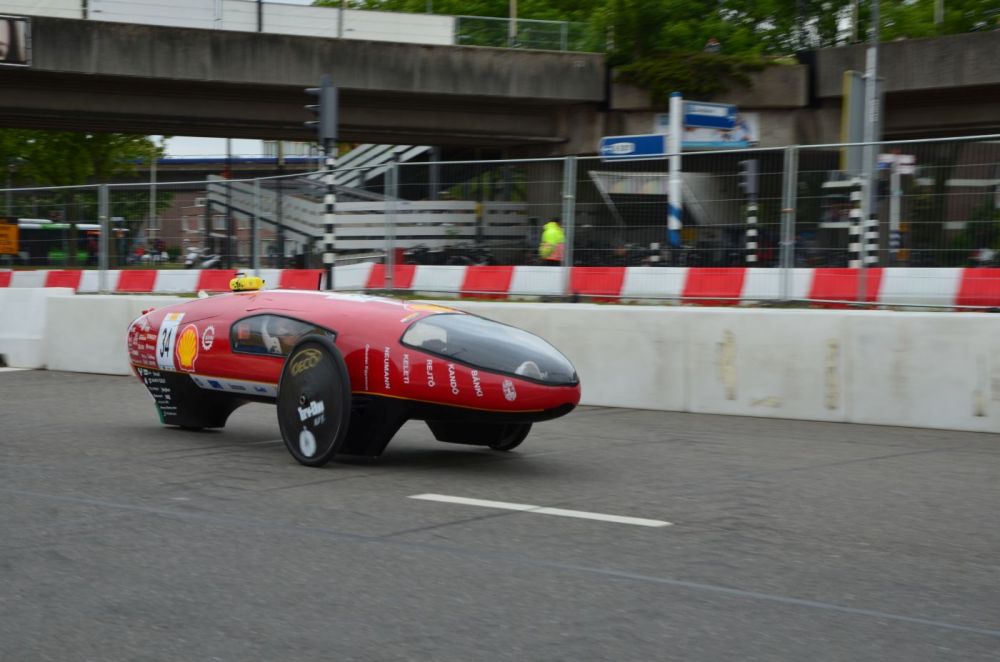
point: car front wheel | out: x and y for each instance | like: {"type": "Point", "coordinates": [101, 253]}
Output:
{"type": "Point", "coordinates": [314, 401]}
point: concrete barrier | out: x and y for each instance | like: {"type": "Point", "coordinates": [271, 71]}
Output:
{"type": "Point", "coordinates": [23, 325]}
{"type": "Point", "coordinates": [936, 370]}
{"type": "Point", "coordinates": [87, 333]}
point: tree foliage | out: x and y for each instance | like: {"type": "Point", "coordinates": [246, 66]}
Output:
{"type": "Point", "coordinates": [693, 74]}
{"type": "Point", "coordinates": [62, 158]}
{"type": "Point", "coordinates": [67, 159]}
{"type": "Point", "coordinates": [633, 29]}
{"type": "Point", "coordinates": [658, 44]}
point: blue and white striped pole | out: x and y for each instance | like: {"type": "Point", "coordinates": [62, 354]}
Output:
{"type": "Point", "coordinates": [674, 202]}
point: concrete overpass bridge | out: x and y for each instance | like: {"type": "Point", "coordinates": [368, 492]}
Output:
{"type": "Point", "coordinates": [947, 86]}
{"type": "Point", "coordinates": [92, 75]}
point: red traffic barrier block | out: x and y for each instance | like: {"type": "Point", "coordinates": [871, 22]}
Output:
{"type": "Point", "coordinates": [831, 286]}
{"type": "Point", "coordinates": [5, 278]}
{"type": "Point", "coordinates": [215, 280]}
{"type": "Point", "coordinates": [714, 286]}
{"type": "Point", "coordinates": [603, 283]}
{"type": "Point", "coordinates": [402, 276]}
{"type": "Point", "coordinates": [487, 282]}
{"type": "Point", "coordinates": [63, 278]}
{"type": "Point", "coordinates": [300, 279]}
{"type": "Point", "coordinates": [979, 287]}
{"type": "Point", "coordinates": [136, 280]}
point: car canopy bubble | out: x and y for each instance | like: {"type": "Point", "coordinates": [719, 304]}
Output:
{"type": "Point", "coordinates": [492, 346]}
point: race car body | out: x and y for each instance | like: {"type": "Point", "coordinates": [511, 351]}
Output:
{"type": "Point", "coordinates": [346, 371]}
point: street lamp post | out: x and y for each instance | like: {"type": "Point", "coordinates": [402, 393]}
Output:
{"type": "Point", "coordinates": [872, 121]}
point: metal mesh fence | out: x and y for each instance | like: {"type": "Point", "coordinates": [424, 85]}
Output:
{"type": "Point", "coordinates": [58, 226]}
{"type": "Point", "coordinates": [522, 33]}
{"type": "Point", "coordinates": [476, 212]}
{"type": "Point", "coordinates": [935, 208]}
{"type": "Point", "coordinates": [622, 212]}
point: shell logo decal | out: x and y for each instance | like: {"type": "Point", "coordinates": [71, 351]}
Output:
{"type": "Point", "coordinates": [187, 348]}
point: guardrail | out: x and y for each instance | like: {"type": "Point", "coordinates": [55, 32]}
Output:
{"type": "Point", "coordinates": [824, 288]}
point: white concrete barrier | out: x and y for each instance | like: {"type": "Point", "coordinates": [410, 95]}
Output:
{"type": "Point", "coordinates": [87, 333]}
{"type": "Point", "coordinates": [23, 326]}
{"type": "Point", "coordinates": [925, 370]}
{"type": "Point", "coordinates": [935, 370]}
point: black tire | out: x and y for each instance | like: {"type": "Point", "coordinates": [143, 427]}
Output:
{"type": "Point", "coordinates": [314, 401]}
{"type": "Point", "coordinates": [513, 435]}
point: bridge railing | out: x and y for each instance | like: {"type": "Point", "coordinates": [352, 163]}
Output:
{"type": "Point", "coordinates": [794, 232]}
{"type": "Point", "coordinates": [331, 22]}
{"type": "Point", "coordinates": [521, 33]}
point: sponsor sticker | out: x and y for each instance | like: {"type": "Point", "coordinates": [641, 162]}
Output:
{"type": "Point", "coordinates": [406, 368]}
{"type": "Point", "coordinates": [509, 392]}
{"type": "Point", "coordinates": [166, 340]}
{"type": "Point", "coordinates": [385, 369]}
{"type": "Point", "coordinates": [187, 348]}
{"type": "Point", "coordinates": [142, 343]}
{"type": "Point", "coordinates": [315, 409]}
{"type": "Point", "coordinates": [430, 374]}
{"type": "Point", "coordinates": [477, 385]}
{"type": "Point", "coordinates": [235, 386]}
{"type": "Point", "coordinates": [305, 360]}
{"type": "Point", "coordinates": [452, 379]}
{"type": "Point", "coordinates": [367, 347]}
{"type": "Point", "coordinates": [208, 337]}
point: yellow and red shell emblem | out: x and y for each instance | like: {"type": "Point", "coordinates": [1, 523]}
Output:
{"type": "Point", "coordinates": [187, 348]}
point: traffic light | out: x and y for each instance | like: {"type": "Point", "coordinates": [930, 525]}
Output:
{"type": "Point", "coordinates": [748, 177]}
{"type": "Point", "coordinates": [325, 111]}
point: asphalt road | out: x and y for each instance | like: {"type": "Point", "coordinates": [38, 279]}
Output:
{"type": "Point", "coordinates": [121, 539]}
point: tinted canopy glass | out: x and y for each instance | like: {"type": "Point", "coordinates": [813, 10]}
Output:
{"type": "Point", "coordinates": [492, 346]}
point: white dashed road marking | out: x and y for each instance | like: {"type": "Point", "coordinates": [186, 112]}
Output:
{"type": "Point", "coordinates": [541, 510]}
{"type": "Point", "coordinates": [11, 369]}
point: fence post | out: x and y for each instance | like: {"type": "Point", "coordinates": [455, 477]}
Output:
{"type": "Point", "coordinates": [568, 219]}
{"type": "Point", "coordinates": [255, 229]}
{"type": "Point", "coordinates": [104, 216]}
{"type": "Point", "coordinates": [392, 195]}
{"type": "Point", "coordinates": [788, 201]}
{"type": "Point", "coordinates": [894, 205]}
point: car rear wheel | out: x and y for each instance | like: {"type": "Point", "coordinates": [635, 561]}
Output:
{"type": "Point", "coordinates": [513, 435]}
{"type": "Point", "coordinates": [314, 401]}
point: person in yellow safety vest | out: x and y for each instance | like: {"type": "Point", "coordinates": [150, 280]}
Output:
{"type": "Point", "coordinates": [553, 243]}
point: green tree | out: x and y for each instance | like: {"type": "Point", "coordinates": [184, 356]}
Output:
{"type": "Point", "coordinates": [68, 159]}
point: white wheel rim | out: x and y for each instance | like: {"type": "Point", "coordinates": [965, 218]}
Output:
{"type": "Point", "coordinates": [307, 443]}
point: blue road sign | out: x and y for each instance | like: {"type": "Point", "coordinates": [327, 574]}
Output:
{"type": "Point", "coordinates": [709, 115]}
{"type": "Point", "coordinates": [645, 146]}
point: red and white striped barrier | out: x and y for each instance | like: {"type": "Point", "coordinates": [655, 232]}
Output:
{"type": "Point", "coordinates": [896, 286]}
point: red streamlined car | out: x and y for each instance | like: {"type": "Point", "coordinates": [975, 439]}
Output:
{"type": "Point", "coordinates": [346, 371]}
